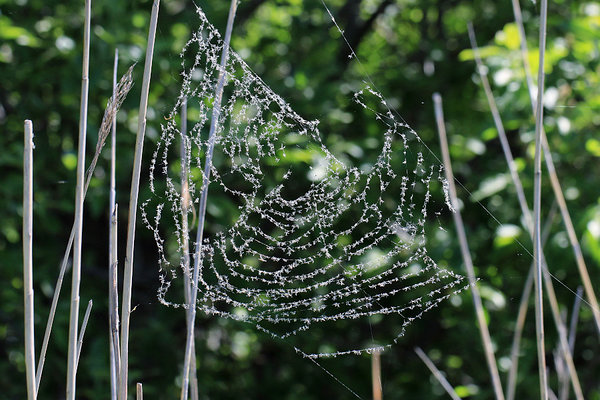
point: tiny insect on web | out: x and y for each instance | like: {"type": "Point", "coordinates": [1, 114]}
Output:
{"type": "Point", "coordinates": [305, 242]}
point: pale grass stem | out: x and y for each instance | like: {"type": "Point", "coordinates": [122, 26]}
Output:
{"type": "Point", "coordinates": [28, 260]}
{"type": "Point", "coordinates": [187, 283]}
{"type": "Point", "coordinates": [481, 322]}
{"type": "Point", "coordinates": [562, 335]}
{"type": "Point", "coordinates": [537, 209]}
{"type": "Point", "coordinates": [123, 88]}
{"type": "Point", "coordinates": [555, 182]}
{"type": "Point", "coordinates": [76, 271]}
{"type": "Point", "coordinates": [575, 318]}
{"type": "Point", "coordinates": [564, 390]}
{"type": "Point", "coordinates": [139, 392]}
{"type": "Point", "coordinates": [113, 295]}
{"type": "Point", "coordinates": [202, 206]}
{"type": "Point", "coordinates": [522, 314]}
{"type": "Point", "coordinates": [376, 375]}
{"type": "Point", "coordinates": [84, 323]}
{"type": "Point", "coordinates": [528, 217]}
{"type": "Point", "coordinates": [133, 205]}
{"type": "Point", "coordinates": [437, 374]}
{"type": "Point", "coordinates": [511, 383]}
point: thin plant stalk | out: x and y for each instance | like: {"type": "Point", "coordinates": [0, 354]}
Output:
{"type": "Point", "coordinates": [76, 271]}
{"type": "Point", "coordinates": [53, 306]}
{"type": "Point", "coordinates": [376, 375]}
{"type": "Point", "coordinates": [511, 383]}
{"type": "Point", "coordinates": [561, 370]}
{"type": "Point", "coordinates": [555, 182]}
{"type": "Point", "coordinates": [111, 111]}
{"type": "Point", "coordinates": [562, 335]}
{"type": "Point", "coordinates": [575, 318]}
{"type": "Point", "coordinates": [483, 329]}
{"type": "Point", "coordinates": [521, 316]}
{"type": "Point", "coordinates": [202, 206]}
{"type": "Point", "coordinates": [437, 374]}
{"type": "Point", "coordinates": [84, 323]}
{"type": "Point", "coordinates": [113, 294]}
{"type": "Point", "coordinates": [28, 260]}
{"type": "Point", "coordinates": [185, 208]}
{"type": "Point", "coordinates": [528, 218]}
{"type": "Point", "coordinates": [537, 208]}
{"type": "Point", "coordinates": [133, 205]}
{"type": "Point", "coordinates": [564, 390]}
{"type": "Point", "coordinates": [512, 166]}
{"type": "Point", "coordinates": [139, 391]}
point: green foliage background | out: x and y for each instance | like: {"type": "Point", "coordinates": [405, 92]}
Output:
{"type": "Point", "coordinates": [292, 45]}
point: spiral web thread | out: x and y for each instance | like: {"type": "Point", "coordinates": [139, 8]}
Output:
{"type": "Point", "coordinates": [313, 243]}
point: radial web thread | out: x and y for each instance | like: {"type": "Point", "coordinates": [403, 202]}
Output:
{"type": "Point", "coordinates": [312, 242]}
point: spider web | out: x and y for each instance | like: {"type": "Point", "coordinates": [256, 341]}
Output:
{"type": "Point", "coordinates": [311, 244]}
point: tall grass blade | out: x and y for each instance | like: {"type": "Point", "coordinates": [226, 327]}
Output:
{"type": "Point", "coordinates": [139, 392]}
{"type": "Point", "coordinates": [437, 374]}
{"type": "Point", "coordinates": [527, 213]}
{"type": "Point", "coordinates": [512, 166]}
{"type": "Point", "coordinates": [110, 113]}
{"type": "Point", "coordinates": [187, 283]}
{"type": "Point", "coordinates": [113, 294]}
{"type": "Point", "coordinates": [483, 329]}
{"type": "Point", "coordinates": [564, 392]}
{"type": "Point", "coordinates": [376, 375]}
{"type": "Point", "coordinates": [202, 206]}
{"type": "Point", "coordinates": [76, 271]}
{"type": "Point", "coordinates": [575, 318]}
{"type": "Point", "coordinates": [511, 384]}
{"type": "Point", "coordinates": [522, 314]}
{"type": "Point", "coordinates": [562, 336]}
{"type": "Point", "coordinates": [555, 182]}
{"type": "Point", "coordinates": [133, 204]}
{"type": "Point", "coordinates": [537, 208]}
{"type": "Point", "coordinates": [28, 260]}
{"type": "Point", "coordinates": [84, 323]}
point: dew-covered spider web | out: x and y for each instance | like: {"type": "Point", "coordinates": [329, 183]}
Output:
{"type": "Point", "coordinates": [298, 241]}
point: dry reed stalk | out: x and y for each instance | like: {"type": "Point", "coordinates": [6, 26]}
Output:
{"type": "Point", "coordinates": [113, 295]}
{"type": "Point", "coordinates": [202, 206]}
{"type": "Point", "coordinates": [512, 166]}
{"type": "Point", "coordinates": [511, 383]}
{"type": "Point", "coordinates": [133, 205]}
{"type": "Point", "coordinates": [564, 389]}
{"type": "Point", "coordinates": [187, 283]}
{"type": "Point", "coordinates": [562, 335]}
{"type": "Point", "coordinates": [110, 113]}
{"type": "Point", "coordinates": [521, 315]}
{"type": "Point", "coordinates": [483, 329]}
{"type": "Point", "coordinates": [537, 210]}
{"type": "Point", "coordinates": [76, 271]}
{"type": "Point", "coordinates": [28, 260]}
{"type": "Point", "coordinates": [555, 182]}
{"type": "Point", "coordinates": [139, 391]}
{"type": "Point", "coordinates": [376, 375]}
{"type": "Point", "coordinates": [437, 374]}
{"type": "Point", "coordinates": [575, 317]}
{"type": "Point", "coordinates": [566, 352]}
{"type": "Point", "coordinates": [84, 323]}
